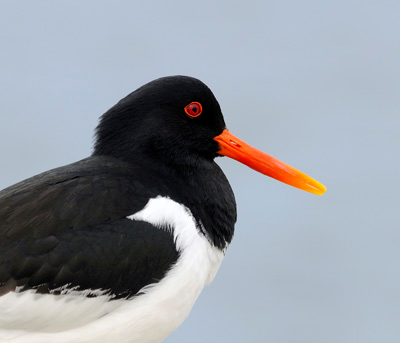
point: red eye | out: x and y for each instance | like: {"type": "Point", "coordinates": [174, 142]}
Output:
{"type": "Point", "coordinates": [194, 109]}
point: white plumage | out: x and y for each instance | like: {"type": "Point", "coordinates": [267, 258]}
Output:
{"type": "Point", "coordinates": [148, 318]}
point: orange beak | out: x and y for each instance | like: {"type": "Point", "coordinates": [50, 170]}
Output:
{"type": "Point", "coordinates": [265, 164]}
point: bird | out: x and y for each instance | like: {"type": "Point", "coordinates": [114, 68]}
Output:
{"type": "Point", "coordinates": [118, 246]}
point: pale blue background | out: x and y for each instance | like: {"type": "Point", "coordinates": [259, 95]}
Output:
{"type": "Point", "coordinates": [314, 83]}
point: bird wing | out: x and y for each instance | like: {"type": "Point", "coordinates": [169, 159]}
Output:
{"type": "Point", "coordinates": [67, 230]}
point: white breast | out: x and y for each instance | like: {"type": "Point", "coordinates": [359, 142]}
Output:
{"type": "Point", "coordinates": [148, 318]}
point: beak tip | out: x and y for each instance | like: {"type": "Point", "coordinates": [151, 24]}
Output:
{"type": "Point", "coordinates": [320, 190]}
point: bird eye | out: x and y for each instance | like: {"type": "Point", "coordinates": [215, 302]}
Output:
{"type": "Point", "coordinates": [194, 109]}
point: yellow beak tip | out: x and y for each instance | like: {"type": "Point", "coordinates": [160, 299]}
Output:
{"type": "Point", "coordinates": [320, 190]}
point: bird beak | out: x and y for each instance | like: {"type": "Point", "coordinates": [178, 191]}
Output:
{"type": "Point", "coordinates": [235, 148]}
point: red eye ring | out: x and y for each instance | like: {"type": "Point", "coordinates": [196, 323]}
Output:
{"type": "Point", "coordinates": [194, 109]}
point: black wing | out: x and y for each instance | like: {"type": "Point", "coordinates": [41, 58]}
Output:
{"type": "Point", "coordinates": [118, 258]}
{"type": "Point", "coordinates": [67, 229]}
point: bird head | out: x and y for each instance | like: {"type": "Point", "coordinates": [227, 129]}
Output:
{"type": "Point", "coordinates": [178, 120]}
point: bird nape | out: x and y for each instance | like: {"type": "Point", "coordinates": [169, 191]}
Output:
{"type": "Point", "coordinates": [118, 246]}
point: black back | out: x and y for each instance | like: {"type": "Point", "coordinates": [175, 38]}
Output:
{"type": "Point", "coordinates": [68, 226]}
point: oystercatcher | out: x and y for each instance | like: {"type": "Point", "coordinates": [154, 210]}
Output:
{"type": "Point", "coordinates": [118, 246]}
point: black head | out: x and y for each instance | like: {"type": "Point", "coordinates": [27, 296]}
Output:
{"type": "Point", "coordinates": [166, 130]}
{"type": "Point", "coordinates": [153, 120]}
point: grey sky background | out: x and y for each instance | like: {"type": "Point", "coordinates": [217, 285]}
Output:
{"type": "Point", "coordinates": [313, 83]}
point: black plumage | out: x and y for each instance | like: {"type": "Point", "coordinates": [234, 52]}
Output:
{"type": "Point", "coordinates": [68, 229]}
